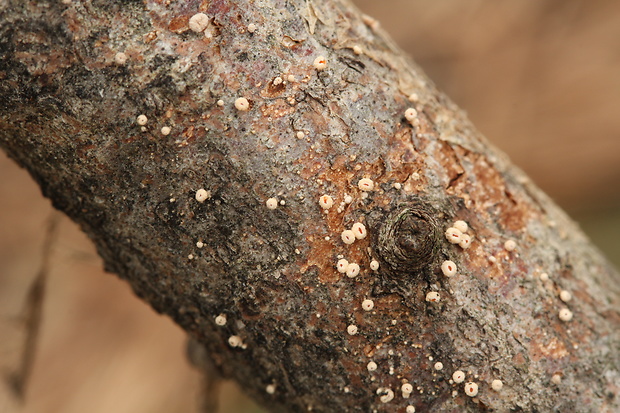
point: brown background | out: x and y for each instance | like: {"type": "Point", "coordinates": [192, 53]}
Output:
{"type": "Point", "coordinates": [540, 78]}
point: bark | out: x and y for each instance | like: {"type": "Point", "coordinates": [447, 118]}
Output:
{"type": "Point", "coordinates": [68, 115]}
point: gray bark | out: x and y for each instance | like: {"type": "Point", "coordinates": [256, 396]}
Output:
{"type": "Point", "coordinates": [69, 115]}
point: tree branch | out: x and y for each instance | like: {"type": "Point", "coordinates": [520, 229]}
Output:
{"type": "Point", "coordinates": [122, 112]}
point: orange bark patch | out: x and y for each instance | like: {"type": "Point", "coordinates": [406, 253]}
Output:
{"type": "Point", "coordinates": [554, 349]}
{"type": "Point", "coordinates": [277, 109]}
{"type": "Point", "coordinates": [179, 24]}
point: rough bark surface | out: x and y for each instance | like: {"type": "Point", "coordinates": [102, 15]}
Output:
{"type": "Point", "coordinates": [68, 114]}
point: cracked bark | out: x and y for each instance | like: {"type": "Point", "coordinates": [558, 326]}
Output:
{"type": "Point", "coordinates": [68, 115]}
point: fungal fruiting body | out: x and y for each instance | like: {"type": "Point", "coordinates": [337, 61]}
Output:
{"type": "Point", "coordinates": [120, 58]}
{"type": "Point", "coordinates": [251, 27]}
{"type": "Point", "coordinates": [461, 226]}
{"type": "Point", "coordinates": [326, 201]}
{"type": "Point", "coordinates": [374, 265]}
{"type": "Point", "coordinates": [368, 305]}
{"type": "Point", "coordinates": [438, 365]}
{"type": "Point", "coordinates": [465, 241]}
{"type": "Point", "coordinates": [242, 104]}
{"type": "Point", "coordinates": [510, 245]}
{"type": "Point", "coordinates": [359, 230]}
{"type": "Point", "coordinates": [458, 376]}
{"type": "Point", "coordinates": [453, 235]}
{"type": "Point", "coordinates": [220, 320]}
{"type": "Point", "coordinates": [235, 341]}
{"type": "Point", "coordinates": [371, 366]}
{"type": "Point", "coordinates": [432, 297]}
{"type": "Point", "coordinates": [270, 388]}
{"type": "Point", "coordinates": [565, 314]}
{"type": "Point", "coordinates": [471, 389]}
{"type": "Point", "coordinates": [271, 203]}
{"type": "Point", "coordinates": [202, 195]}
{"type": "Point", "coordinates": [366, 184]}
{"type": "Point", "coordinates": [348, 236]}
{"type": "Point", "coordinates": [353, 270]}
{"type": "Point", "coordinates": [142, 120]}
{"type": "Point", "coordinates": [497, 385]}
{"type": "Point", "coordinates": [165, 130]}
{"type": "Point", "coordinates": [410, 409]}
{"type": "Point", "coordinates": [342, 265]}
{"type": "Point", "coordinates": [411, 114]}
{"type": "Point", "coordinates": [352, 330]}
{"type": "Point", "coordinates": [448, 268]}
{"type": "Point", "coordinates": [565, 296]}
{"type": "Point", "coordinates": [320, 63]}
{"type": "Point", "coordinates": [406, 389]}
{"type": "Point", "coordinates": [556, 378]}
{"type": "Point", "coordinates": [198, 22]}
{"type": "Point", "coordinates": [385, 395]}
{"type": "Point", "coordinates": [199, 244]}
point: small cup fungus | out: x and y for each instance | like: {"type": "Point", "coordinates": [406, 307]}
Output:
{"type": "Point", "coordinates": [453, 235]}
{"type": "Point", "coordinates": [326, 201]}
{"type": "Point", "coordinates": [366, 184]}
{"type": "Point", "coordinates": [202, 195]}
{"type": "Point", "coordinates": [242, 104]}
{"type": "Point", "coordinates": [411, 114]}
{"type": "Point", "coordinates": [348, 236]}
{"type": "Point", "coordinates": [359, 230]}
{"type": "Point", "coordinates": [198, 22]}
{"type": "Point", "coordinates": [565, 314]}
{"type": "Point", "coordinates": [471, 389]}
{"type": "Point", "coordinates": [342, 265]}
{"type": "Point", "coordinates": [353, 270]}
{"type": "Point", "coordinates": [272, 203]}
{"type": "Point", "coordinates": [458, 376]}
{"type": "Point", "coordinates": [510, 245]}
{"type": "Point", "coordinates": [385, 395]}
{"type": "Point", "coordinates": [465, 241]}
{"type": "Point", "coordinates": [565, 296]}
{"type": "Point", "coordinates": [368, 305]}
{"type": "Point", "coordinates": [407, 389]}
{"type": "Point", "coordinates": [448, 268]}
{"type": "Point", "coordinates": [320, 63]}
{"type": "Point", "coordinates": [120, 58]}
{"type": "Point", "coordinates": [235, 341]}
{"type": "Point", "coordinates": [497, 385]}
{"type": "Point", "coordinates": [461, 226]}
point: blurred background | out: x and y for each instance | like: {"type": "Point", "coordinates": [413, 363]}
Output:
{"type": "Point", "coordinates": [541, 79]}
